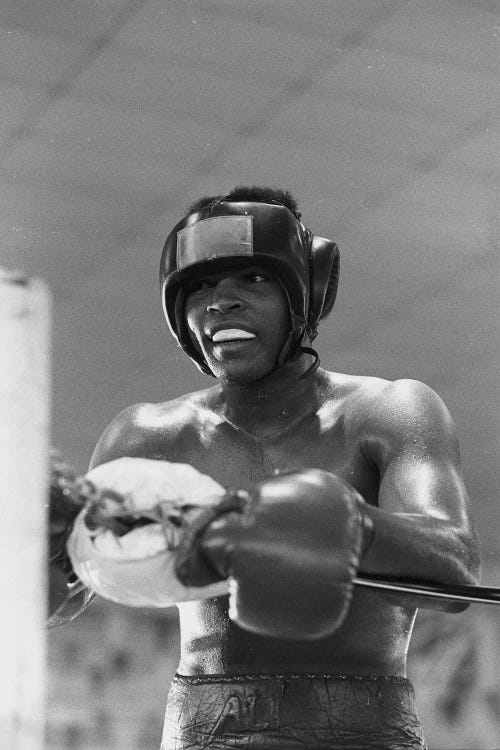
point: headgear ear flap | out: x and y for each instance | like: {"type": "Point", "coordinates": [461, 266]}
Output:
{"type": "Point", "coordinates": [325, 266]}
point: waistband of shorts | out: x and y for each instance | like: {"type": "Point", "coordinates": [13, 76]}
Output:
{"type": "Point", "coordinates": [205, 679]}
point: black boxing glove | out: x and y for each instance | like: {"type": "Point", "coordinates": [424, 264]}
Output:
{"type": "Point", "coordinates": [290, 548]}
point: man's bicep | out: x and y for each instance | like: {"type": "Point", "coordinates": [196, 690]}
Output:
{"type": "Point", "coordinates": [431, 486]}
{"type": "Point", "coordinates": [419, 463]}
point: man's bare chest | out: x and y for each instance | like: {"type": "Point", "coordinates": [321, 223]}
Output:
{"type": "Point", "coordinates": [236, 458]}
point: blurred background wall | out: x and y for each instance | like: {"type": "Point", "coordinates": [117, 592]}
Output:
{"type": "Point", "coordinates": [382, 117]}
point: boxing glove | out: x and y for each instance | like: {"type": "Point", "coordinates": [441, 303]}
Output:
{"type": "Point", "coordinates": [290, 548]}
{"type": "Point", "coordinates": [123, 543]}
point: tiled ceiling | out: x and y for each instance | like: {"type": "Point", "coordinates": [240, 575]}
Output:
{"type": "Point", "coordinates": [381, 116]}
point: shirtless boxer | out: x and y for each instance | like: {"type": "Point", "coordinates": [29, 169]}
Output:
{"type": "Point", "coordinates": [244, 286]}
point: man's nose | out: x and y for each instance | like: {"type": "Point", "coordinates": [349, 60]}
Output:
{"type": "Point", "coordinates": [225, 298]}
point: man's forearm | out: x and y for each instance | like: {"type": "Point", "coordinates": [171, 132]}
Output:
{"type": "Point", "coordinates": [420, 547]}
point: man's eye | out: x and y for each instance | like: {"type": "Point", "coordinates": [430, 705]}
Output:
{"type": "Point", "coordinates": [256, 278]}
{"type": "Point", "coordinates": [198, 286]}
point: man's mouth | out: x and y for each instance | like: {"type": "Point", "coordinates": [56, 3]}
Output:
{"type": "Point", "coordinates": [231, 334]}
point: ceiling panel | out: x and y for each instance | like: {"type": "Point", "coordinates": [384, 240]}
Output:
{"type": "Point", "coordinates": [479, 155]}
{"type": "Point", "coordinates": [89, 170]}
{"type": "Point", "coordinates": [16, 102]}
{"type": "Point", "coordinates": [61, 20]}
{"type": "Point", "coordinates": [407, 84]}
{"type": "Point", "coordinates": [343, 122]}
{"type": "Point", "coordinates": [35, 60]}
{"type": "Point", "coordinates": [137, 133]}
{"type": "Point", "coordinates": [334, 20]}
{"type": "Point", "coordinates": [462, 34]}
{"type": "Point", "coordinates": [201, 37]}
{"type": "Point", "coordinates": [120, 77]}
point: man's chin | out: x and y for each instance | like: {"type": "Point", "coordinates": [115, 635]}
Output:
{"type": "Point", "coordinates": [232, 374]}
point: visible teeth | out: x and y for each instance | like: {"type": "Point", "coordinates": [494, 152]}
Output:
{"type": "Point", "coordinates": [230, 334]}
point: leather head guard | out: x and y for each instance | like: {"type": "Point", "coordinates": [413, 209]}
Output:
{"type": "Point", "coordinates": [228, 235]}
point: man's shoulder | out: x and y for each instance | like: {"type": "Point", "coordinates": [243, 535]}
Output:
{"type": "Point", "coordinates": [346, 384]}
{"type": "Point", "coordinates": [356, 391]}
{"type": "Point", "coordinates": [146, 429]}
{"type": "Point", "coordinates": [400, 415]}
{"type": "Point", "coordinates": [403, 399]}
{"type": "Point", "coordinates": [388, 402]}
{"type": "Point", "coordinates": [369, 387]}
{"type": "Point", "coordinates": [170, 414]}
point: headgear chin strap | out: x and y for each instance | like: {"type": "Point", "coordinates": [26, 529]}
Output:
{"type": "Point", "coordinates": [234, 234]}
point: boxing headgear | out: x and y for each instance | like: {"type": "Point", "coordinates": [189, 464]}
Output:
{"type": "Point", "coordinates": [232, 234]}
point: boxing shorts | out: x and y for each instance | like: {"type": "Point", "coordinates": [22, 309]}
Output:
{"type": "Point", "coordinates": [288, 712]}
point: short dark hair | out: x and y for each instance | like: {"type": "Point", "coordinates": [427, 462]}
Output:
{"type": "Point", "coordinates": [256, 193]}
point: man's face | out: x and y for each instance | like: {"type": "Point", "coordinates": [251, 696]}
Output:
{"type": "Point", "coordinates": [240, 321]}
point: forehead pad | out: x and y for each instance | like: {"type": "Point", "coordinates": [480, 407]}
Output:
{"type": "Point", "coordinates": [215, 237]}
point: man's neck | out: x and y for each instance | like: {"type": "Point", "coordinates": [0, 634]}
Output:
{"type": "Point", "coordinates": [274, 403]}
